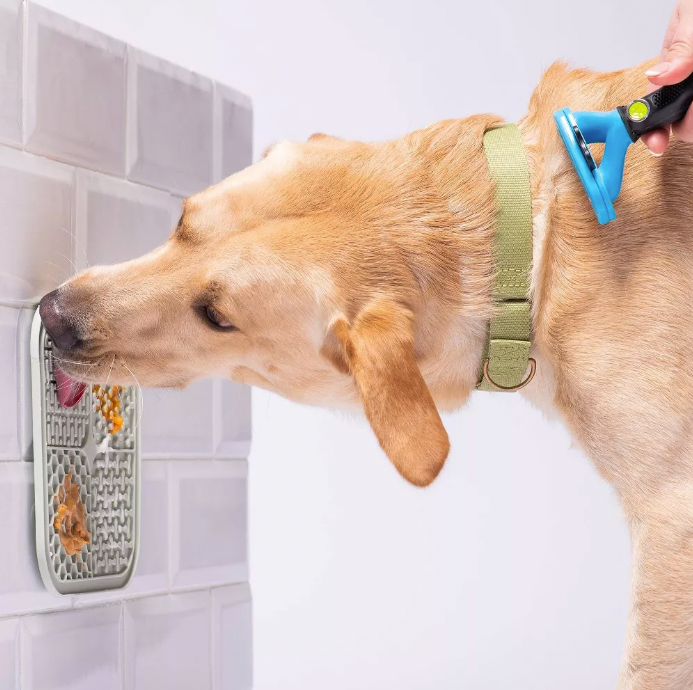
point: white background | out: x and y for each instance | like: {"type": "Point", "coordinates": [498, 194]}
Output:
{"type": "Point", "coordinates": [512, 570]}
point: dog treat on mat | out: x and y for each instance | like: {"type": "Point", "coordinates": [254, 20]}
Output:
{"type": "Point", "coordinates": [108, 404]}
{"type": "Point", "coordinates": [70, 519]}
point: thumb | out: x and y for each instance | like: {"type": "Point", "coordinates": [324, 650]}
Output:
{"type": "Point", "coordinates": [676, 62]}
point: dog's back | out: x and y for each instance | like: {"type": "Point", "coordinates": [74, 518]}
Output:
{"type": "Point", "coordinates": [614, 323]}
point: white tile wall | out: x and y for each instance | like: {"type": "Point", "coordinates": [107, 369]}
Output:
{"type": "Point", "coordinates": [116, 220]}
{"type": "Point", "coordinates": [24, 421]}
{"type": "Point", "coordinates": [67, 204]}
{"type": "Point", "coordinates": [9, 421]}
{"type": "Point", "coordinates": [170, 125]}
{"type": "Point", "coordinates": [9, 655]}
{"type": "Point", "coordinates": [178, 423]}
{"type": "Point", "coordinates": [233, 624]}
{"type": "Point", "coordinates": [152, 566]}
{"type": "Point", "coordinates": [79, 650]}
{"type": "Point", "coordinates": [75, 92]}
{"type": "Point", "coordinates": [10, 71]}
{"type": "Point", "coordinates": [168, 642]}
{"type": "Point", "coordinates": [233, 122]}
{"type": "Point", "coordinates": [208, 513]}
{"type": "Point", "coordinates": [36, 237]}
{"type": "Point", "coordinates": [21, 589]}
{"type": "Point", "coordinates": [232, 420]}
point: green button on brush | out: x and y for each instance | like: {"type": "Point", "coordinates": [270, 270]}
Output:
{"type": "Point", "coordinates": [638, 110]}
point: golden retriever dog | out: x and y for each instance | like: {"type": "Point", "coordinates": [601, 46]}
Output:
{"type": "Point", "coordinates": [351, 274]}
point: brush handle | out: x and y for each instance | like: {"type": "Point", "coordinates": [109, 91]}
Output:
{"type": "Point", "coordinates": [661, 108]}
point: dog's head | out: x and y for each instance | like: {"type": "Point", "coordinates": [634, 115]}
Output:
{"type": "Point", "coordinates": [284, 276]}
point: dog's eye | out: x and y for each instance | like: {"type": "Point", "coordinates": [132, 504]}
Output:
{"type": "Point", "coordinates": [213, 316]}
{"type": "Point", "coordinates": [216, 319]}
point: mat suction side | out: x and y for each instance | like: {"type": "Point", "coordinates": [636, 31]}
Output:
{"type": "Point", "coordinates": [38, 419]}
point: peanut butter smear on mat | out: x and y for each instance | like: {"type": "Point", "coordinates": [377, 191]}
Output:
{"type": "Point", "coordinates": [70, 519]}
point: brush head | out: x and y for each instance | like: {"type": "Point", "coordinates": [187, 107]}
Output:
{"type": "Point", "coordinates": [585, 165]}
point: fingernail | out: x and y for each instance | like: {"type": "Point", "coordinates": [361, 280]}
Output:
{"type": "Point", "coordinates": [656, 155]}
{"type": "Point", "coordinates": [658, 70]}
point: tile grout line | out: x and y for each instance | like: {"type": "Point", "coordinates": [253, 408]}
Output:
{"type": "Point", "coordinates": [18, 375]}
{"type": "Point", "coordinates": [126, 112]}
{"type": "Point", "coordinates": [217, 421]}
{"type": "Point", "coordinates": [169, 516]}
{"type": "Point", "coordinates": [18, 654]}
{"type": "Point", "coordinates": [122, 645]}
{"type": "Point", "coordinates": [73, 222]}
{"type": "Point", "coordinates": [74, 606]}
{"type": "Point", "coordinates": [212, 642]}
{"type": "Point", "coordinates": [24, 9]}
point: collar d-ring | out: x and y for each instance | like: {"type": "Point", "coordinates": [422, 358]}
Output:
{"type": "Point", "coordinates": [512, 389]}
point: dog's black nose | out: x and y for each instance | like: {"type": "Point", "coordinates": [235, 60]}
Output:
{"type": "Point", "coordinates": [56, 321]}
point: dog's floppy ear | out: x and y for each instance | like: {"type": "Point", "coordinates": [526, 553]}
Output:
{"type": "Point", "coordinates": [377, 350]}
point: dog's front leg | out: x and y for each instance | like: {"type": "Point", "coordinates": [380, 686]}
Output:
{"type": "Point", "coordinates": [659, 644]}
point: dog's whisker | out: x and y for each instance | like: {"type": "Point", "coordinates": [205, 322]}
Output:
{"type": "Point", "coordinates": [72, 361]}
{"type": "Point", "coordinates": [63, 386]}
{"type": "Point", "coordinates": [60, 360]}
{"type": "Point", "coordinates": [110, 371]}
{"type": "Point", "coordinates": [60, 268]}
{"type": "Point", "coordinates": [72, 263]}
{"type": "Point", "coordinates": [139, 388]}
{"type": "Point", "coordinates": [78, 243]}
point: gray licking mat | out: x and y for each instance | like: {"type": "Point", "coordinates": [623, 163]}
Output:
{"type": "Point", "coordinates": [106, 466]}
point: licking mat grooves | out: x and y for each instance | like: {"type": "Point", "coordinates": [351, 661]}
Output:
{"type": "Point", "coordinates": [86, 480]}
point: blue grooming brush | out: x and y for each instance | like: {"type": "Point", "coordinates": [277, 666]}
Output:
{"type": "Point", "coordinates": [617, 129]}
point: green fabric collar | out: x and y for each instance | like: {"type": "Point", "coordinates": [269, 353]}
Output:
{"type": "Point", "coordinates": [506, 354]}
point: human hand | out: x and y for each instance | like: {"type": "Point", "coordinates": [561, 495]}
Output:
{"type": "Point", "coordinates": [675, 64]}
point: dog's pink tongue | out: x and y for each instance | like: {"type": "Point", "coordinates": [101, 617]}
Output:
{"type": "Point", "coordinates": [70, 392]}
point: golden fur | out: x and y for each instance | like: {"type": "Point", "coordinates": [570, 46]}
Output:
{"type": "Point", "coordinates": [362, 273]}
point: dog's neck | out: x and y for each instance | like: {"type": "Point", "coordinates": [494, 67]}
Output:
{"type": "Point", "coordinates": [449, 248]}
{"type": "Point", "coordinates": [455, 189]}
{"type": "Point", "coordinates": [561, 211]}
